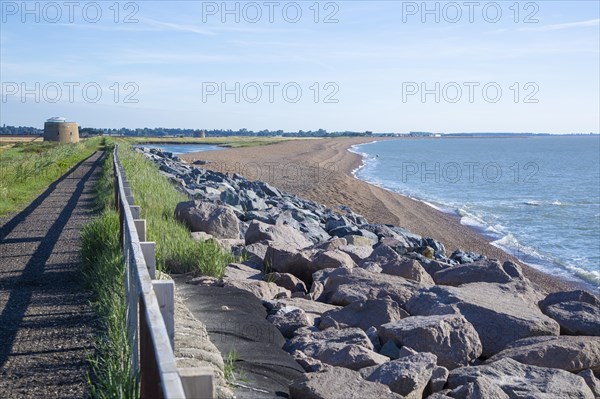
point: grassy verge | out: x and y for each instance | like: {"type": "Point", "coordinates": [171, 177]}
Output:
{"type": "Point", "coordinates": [27, 169]}
{"type": "Point", "coordinates": [176, 251]}
{"type": "Point", "coordinates": [111, 376]}
{"type": "Point", "coordinates": [233, 142]}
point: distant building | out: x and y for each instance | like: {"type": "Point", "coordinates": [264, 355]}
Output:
{"type": "Point", "coordinates": [58, 129]}
{"type": "Point", "coordinates": [200, 133]}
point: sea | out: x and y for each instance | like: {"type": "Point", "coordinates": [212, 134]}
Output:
{"type": "Point", "coordinates": [179, 149]}
{"type": "Point", "coordinates": [536, 198]}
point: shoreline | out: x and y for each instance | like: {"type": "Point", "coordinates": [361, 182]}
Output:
{"type": "Point", "coordinates": [324, 171]}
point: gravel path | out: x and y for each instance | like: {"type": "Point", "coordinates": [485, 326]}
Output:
{"type": "Point", "coordinates": [46, 324]}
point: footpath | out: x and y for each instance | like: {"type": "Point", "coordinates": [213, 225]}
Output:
{"type": "Point", "coordinates": [46, 324]}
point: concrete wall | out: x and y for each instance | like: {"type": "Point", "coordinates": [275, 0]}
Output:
{"type": "Point", "coordinates": [64, 132]}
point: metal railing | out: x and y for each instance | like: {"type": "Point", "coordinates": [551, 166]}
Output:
{"type": "Point", "coordinates": [150, 309]}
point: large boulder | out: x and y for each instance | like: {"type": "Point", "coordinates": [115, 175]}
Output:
{"type": "Point", "coordinates": [518, 380]}
{"type": "Point", "coordinates": [288, 319]}
{"type": "Point", "coordinates": [500, 313]}
{"type": "Point", "coordinates": [490, 271]}
{"type": "Point", "coordinates": [283, 259]}
{"type": "Point", "coordinates": [313, 309]}
{"type": "Point", "coordinates": [281, 234]}
{"type": "Point", "coordinates": [568, 353]}
{"type": "Point", "coordinates": [577, 312]}
{"type": "Point", "coordinates": [450, 337]}
{"type": "Point", "coordinates": [363, 314]}
{"type": "Point", "coordinates": [337, 382]}
{"type": "Point", "coordinates": [217, 220]}
{"type": "Point", "coordinates": [350, 348]}
{"type": "Point", "coordinates": [392, 263]}
{"type": "Point", "coordinates": [407, 376]}
{"type": "Point", "coordinates": [344, 286]}
{"type": "Point", "coordinates": [358, 254]}
{"type": "Point", "coordinates": [331, 259]}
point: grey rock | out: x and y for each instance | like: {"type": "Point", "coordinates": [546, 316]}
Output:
{"type": "Point", "coordinates": [407, 376]}
{"type": "Point", "coordinates": [337, 382]}
{"type": "Point", "coordinates": [524, 381]}
{"type": "Point", "coordinates": [288, 320]}
{"type": "Point", "coordinates": [392, 263]}
{"type": "Point", "coordinates": [484, 271]}
{"type": "Point", "coordinates": [344, 286]}
{"type": "Point", "coordinates": [592, 382]}
{"type": "Point", "coordinates": [358, 254]}
{"type": "Point", "coordinates": [372, 267]}
{"type": "Point", "coordinates": [360, 241]}
{"type": "Point", "coordinates": [217, 220]}
{"type": "Point", "coordinates": [479, 388]}
{"type": "Point", "coordinates": [331, 259]}
{"type": "Point", "coordinates": [439, 376]}
{"type": "Point", "coordinates": [309, 364]}
{"type": "Point", "coordinates": [260, 289]}
{"type": "Point", "coordinates": [313, 309]}
{"type": "Point", "coordinates": [363, 314]}
{"type": "Point", "coordinates": [500, 313]}
{"type": "Point", "coordinates": [287, 281]}
{"type": "Point", "coordinates": [349, 348]}
{"type": "Point", "coordinates": [283, 259]}
{"type": "Point", "coordinates": [450, 337]}
{"type": "Point", "coordinates": [577, 312]}
{"type": "Point", "coordinates": [568, 353]}
{"type": "Point", "coordinates": [285, 235]}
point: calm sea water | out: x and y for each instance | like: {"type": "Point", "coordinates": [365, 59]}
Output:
{"type": "Point", "coordinates": [537, 198]}
{"type": "Point", "coordinates": [179, 149]}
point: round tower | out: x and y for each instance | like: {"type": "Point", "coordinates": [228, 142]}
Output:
{"type": "Point", "coordinates": [58, 129]}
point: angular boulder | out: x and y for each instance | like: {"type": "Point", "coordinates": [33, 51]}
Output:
{"type": "Point", "coordinates": [337, 382]}
{"type": "Point", "coordinates": [565, 352]}
{"type": "Point", "coordinates": [407, 376]}
{"type": "Point", "coordinates": [288, 319]}
{"type": "Point", "coordinates": [344, 286]}
{"type": "Point", "coordinates": [394, 264]}
{"type": "Point", "coordinates": [287, 281]}
{"type": "Point", "coordinates": [479, 388]}
{"type": "Point", "coordinates": [591, 381]}
{"type": "Point", "coordinates": [518, 380]}
{"type": "Point", "coordinates": [350, 348]}
{"type": "Point", "coordinates": [331, 259]}
{"type": "Point", "coordinates": [450, 337]}
{"type": "Point", "coordinates": [577, 312]}
{"type": "Point", "coordinates": [500, 313]}
{"type": "Point", "coordinates": [217, 220]}
{"type": "Point", "coordinates": [281, 234]}
{"type": "Point", "coordinates": [363, 314]}
{"type": "Point", "coordinates": [490, 271]}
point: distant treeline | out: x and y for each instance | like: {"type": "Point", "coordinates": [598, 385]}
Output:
{"type": "Point", "coordinates": [160, 131]}
{"type": "Point", "coordinates": [217, 132]}
{"type": "Point", "coordinates": [20, 130]}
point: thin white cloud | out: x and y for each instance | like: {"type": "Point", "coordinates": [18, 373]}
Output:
{"type": "Point", "coordinates": [568, 25]}
{"type": "Point", "coordinates": [177, 27]}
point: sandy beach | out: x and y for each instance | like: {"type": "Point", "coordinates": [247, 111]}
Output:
{"type": "Point", "coordinates": [321, 170]}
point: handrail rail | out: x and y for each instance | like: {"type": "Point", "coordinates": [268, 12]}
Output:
{"type": "Point", "coordinates": [152, 350]}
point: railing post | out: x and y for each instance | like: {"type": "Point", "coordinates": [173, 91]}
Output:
{"type": "Point", "coordinates": [140, 226]}
{"type": "Point", "coordinates": [149, 375]}
{"type": "Point", "coordinates": [197, 382]}
{"type": "Point", "coordinates": [148, 249]}
{"type": "Point", "coordinates": [165, 294]}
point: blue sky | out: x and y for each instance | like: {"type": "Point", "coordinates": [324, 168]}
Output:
{"type": "Point", "coordinates": [365, 69]}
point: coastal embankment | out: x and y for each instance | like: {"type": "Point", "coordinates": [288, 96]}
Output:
{"type": "Point", "coordinates": [321, 170]}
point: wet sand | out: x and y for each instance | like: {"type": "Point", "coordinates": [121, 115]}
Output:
{"type": "Point", "coordinates": [321, 170]}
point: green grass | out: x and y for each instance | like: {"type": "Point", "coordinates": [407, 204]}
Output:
{"type": "Point", "coordinates": [103, 267]}
{"type": "Point", "coordinates": [28, 168]}
{"type": "Point", "coordinates": [233, 142]}
{"type": "Point", "coordinates": [176, 251]}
